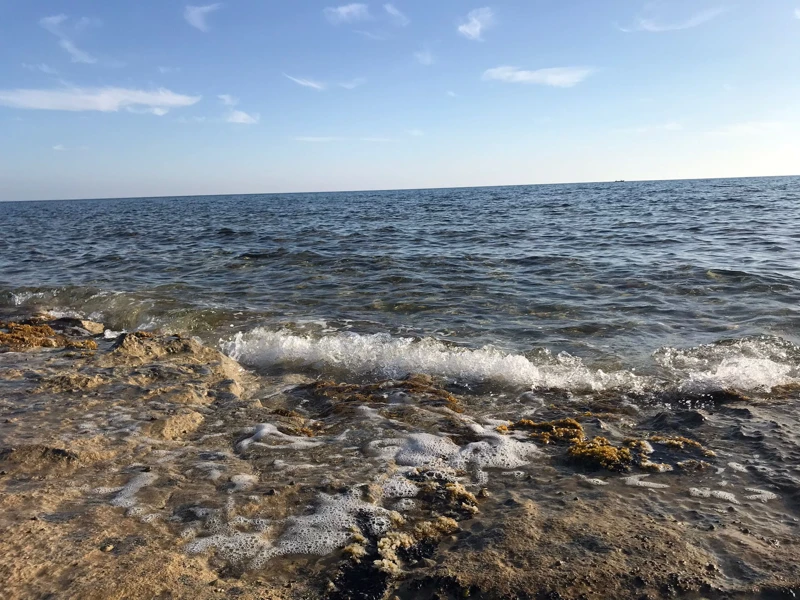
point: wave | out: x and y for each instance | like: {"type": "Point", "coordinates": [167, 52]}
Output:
{"type": "Point", "coordinates": [383, 355]}
{"type": "Point", "coordinates": [748, 364]}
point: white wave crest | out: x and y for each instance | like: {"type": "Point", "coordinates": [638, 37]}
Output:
{"type": "Point", "coordinates": [387, 356]}
{"type": "Point", "coordinates": [748, 364]}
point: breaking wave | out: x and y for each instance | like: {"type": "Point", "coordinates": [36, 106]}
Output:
{"type": "Point", "coordinates": [749, 364]}
{"type": "Point", "coordinates": [387, 356]}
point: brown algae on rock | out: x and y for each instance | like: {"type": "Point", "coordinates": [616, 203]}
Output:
{"type": "Point", "coordinates": [18, 337]}
{"type": "Point", "coordinates": [562, 430]}
{"type": "Point", "coordinates": [599, 453]}
{"type": "Point", "coordinates": [421, 387]}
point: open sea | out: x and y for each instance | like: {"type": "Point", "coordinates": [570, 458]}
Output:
{"type": "Point", "coordinates": [554, 285]}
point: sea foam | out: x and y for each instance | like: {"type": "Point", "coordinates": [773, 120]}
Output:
{"type": "Point", "coordinates": [387, 356]}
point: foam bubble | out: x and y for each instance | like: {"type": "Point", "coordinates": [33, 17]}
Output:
{"type": "Point", "coordinates": [243, 482]}
{"type": "Point", "coordinates": [440, 452]}
{"type": "Point", "coordinates": [748, 364]}
{"type": "Point", "coordinates": [384, 355]}
{"type": "Point", "coordinates": [637, 481]}
{"type": "Point", "coordinates": [709, 493]}
{"type": "Point", "coordinates": [399, 487]}
{"type": "Point", "coordinates": [126, 498]}
{"type": "Point", "coordinates": [267, 430]}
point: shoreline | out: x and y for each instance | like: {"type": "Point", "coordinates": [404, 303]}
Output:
{"type": "Point", "coordinates": [163, 469]}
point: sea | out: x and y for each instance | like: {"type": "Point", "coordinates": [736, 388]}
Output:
{"type": "Point", "coordinates": [580, 391]}
{"type": "Point", "coordinates": [585, 285]}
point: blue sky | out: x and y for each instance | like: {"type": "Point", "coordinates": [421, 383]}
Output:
{"type": "Point", "coordinates": [161, 97]}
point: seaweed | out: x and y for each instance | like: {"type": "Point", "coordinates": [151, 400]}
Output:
{"type": "Point", "coordinates": [599, 453]}
{"type": "Point", "coordinates": [562, 430]}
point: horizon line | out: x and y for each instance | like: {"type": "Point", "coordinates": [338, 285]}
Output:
{"type": "Point", "coordinates": [410, 189]}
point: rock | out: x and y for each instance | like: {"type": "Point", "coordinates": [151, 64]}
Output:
{"type": "Point", "coordinates": [177, 426]}
{"type": "Point", "coordinates": [69, 323]}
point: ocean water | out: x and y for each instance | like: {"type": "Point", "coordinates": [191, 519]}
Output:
{"type": "Point", "coordinates": [611, 409]}
{"type": "Point", "coordinates": [682, 283]}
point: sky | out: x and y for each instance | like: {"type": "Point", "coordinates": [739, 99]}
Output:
{"type": "Point", "coordinates": [159, 97]}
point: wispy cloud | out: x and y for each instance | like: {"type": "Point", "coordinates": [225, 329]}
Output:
{"type": "Point", "coordinates": [372, 35]}
{"type": "Point", "coordinates": [228, 100]}
{"type": "Point", "coordinates": [452, 94]}
{"type": "Point", "coordinates": [476, 22]}
{"type": "Point", "coordinates": [40, 67]}
{"type": "Point", "coordinates": [751, 128]}
{"type": "Point", "coordinates": [353, 83]}
{"type": "Point", "coordinates": [63, 148]}
{"type": "Point", "coordinates": [242, 118]}
{"type": "Point", "coordinates": [655, 26]}
{"type": "Point", "coordinates": [347, 13]}
{"type": "Point", "coordinates": [415, 132]}
{"type": "Point", "coordinates": [60, 26]}
{"type": "Point", "coordinates": [397, 17]}
{"type": "Point", "coordinates": [424, 57]}
{"type": "Point", "coordinates": [797, 13]}
{"type": "Point", "coordinates": [197, 16]}
{"type": "Point", "coordinates": [309, 83]}
{"type": "Point", "coordinates": [108, 99]}
{"type": "Point", "coordinates": [555, 77]}
{"type": "Point", "coordinates": [165, 70]}
{"type": "Point", "coordinates": [377, 140]}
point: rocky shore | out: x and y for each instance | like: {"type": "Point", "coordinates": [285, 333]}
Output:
{"type": "Point", "coordinates": [145, 465]}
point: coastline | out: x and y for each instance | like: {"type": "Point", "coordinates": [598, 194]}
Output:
{"type": "Point", "coordinates": [149, 465]}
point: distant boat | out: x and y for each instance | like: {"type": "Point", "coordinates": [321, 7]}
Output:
{"type": "Point", "coordinates": [620, 181]}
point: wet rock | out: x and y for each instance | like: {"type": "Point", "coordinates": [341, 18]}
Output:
{"type": "Point", "coordinates": [176, 427]}
{"type": "Point", "coordinates": [68, 325]}
{"type": "Point", "coordinates": [18, 337]}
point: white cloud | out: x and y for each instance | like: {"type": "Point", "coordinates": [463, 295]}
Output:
{"type": "Point", "coordinates": [165, 70]}
{"type": "Point", "coordinates": [424, 57]}
{"type": "Point", "coordinates": [452, 94]}
{"type": "Point", "coordinates": [416, 132]}
{"type": "Point", "coordinates": [752, 128]}
{"type": "Point", "coordinates": [196, 15]}
{"type": "Point", "coordinates": [797, 13]}
{"type": "Point", "coordinates": [654, 26]}
{"type": "Point", "coordinates": [242, 118]}
{"type": "Point", "coordinates": [377, 140]}
{"type": "Point", "coordinates": [555, 77]}
{"type": "Point", "coordinates": [40, 67]}
{"type": "Point", "coordinates": [59, 147]}
{"type": "Point", "coordinates": [353, 83]}
{"type": "Point", "coordinates": [108, 99]}
{"type": "Point", "coordinates": [316, 85]}
{"type": "Point", "coordinates": [58, 26]}
{"type": "Point", "coordinates": [347, 13]}
{"type": "Point", "coordinates": [398, 17]}
{"type": "Point", "coordinates": [228, 100]}
{"type": "Point", "coordinates": [156, 110]}
{"type": "Point", "coordinates": [476, 21]}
